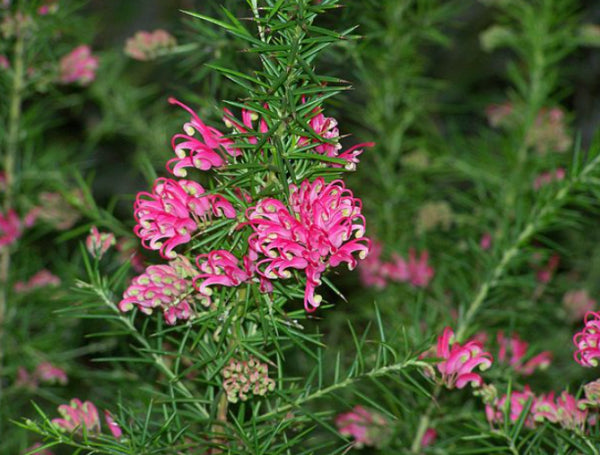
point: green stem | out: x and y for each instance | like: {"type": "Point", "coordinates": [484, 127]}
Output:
{"type": "Point", "coordinates": [424, 421]}
{"type": "Point", "coordinates": [12, 145]}
{"type": "Point", "coordinates": [158, 360]}
{"type": "Point", "coordinates": [374, 373]}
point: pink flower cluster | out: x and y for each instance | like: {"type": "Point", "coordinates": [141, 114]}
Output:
{"type": "Point", "coordinates": [98, 243]}
{"type": "Point", "coordinates": [78, 66]}
{"type": "Point", "coordinates": [513, 351]}
{"type": "Point", "coordinates": [322, 228]}
{"type": "Point", "coordinates": [564, 410]}
{"type": "Point", "coordinates": [546, 178]}
{"type": "Point", "coordinates": [148, 45]}
{"type": "Point", "coordinates": [169, 215]}
{"type": "Point", "coordinates": [77, 415]}
{"type": "Point", "coordinates": [374, 272]}
{"type": "Point", "coordinates": [41, 279]}
{"type": "Point", "coordinates": [458, 362]}
{"type": "Point", "coordinates": [10, 228]}
{"type": "Point", "coordinates": [203, 153]}
{"type": "Point", "coordinates": [161, 286]}
{"type": "Point", "coordinates": [242, 378]}
{"type": "Point", "coordinates": [367, 427]}
{"type": "Point", "coordinates": [45, 372]}
{"type": "Point", "coordinates": [587, 341]}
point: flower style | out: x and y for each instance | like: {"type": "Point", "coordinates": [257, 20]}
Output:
{"type": "Point", "coordinates": [98, 243]}
{"type": "Point", "coordinates": [148, 45]}
{"type": "Point", "coordinates": [10, 228]}
{"type": "Point", "coordinates": [367, 427]}
{"type": "Point", "coordinates": [169, 216]}
{"type": "Point", "coordinates": [241, 378]}
{"type": "Point", "coordinates": [204, 153]}
{"type": "Point", "coordinates": [77, 415]}
{"type": "Point", "coordinates": [78, 66]}
{"type": "Point", "coordinates": [167, 287]}
{"type": "Point", "coordinates": [113, 426]}
{"type": "Point", "coordinates": [459, 361]}
{"type": "Point", "coordinates": [588, 341]}
{"type": "Point", "coordinates": [518, 350]}
{"type": "Point", "coordinates": [322, 228]}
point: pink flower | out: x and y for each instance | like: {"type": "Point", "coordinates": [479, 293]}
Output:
{"type": "Point", "coordinates": [565, 410]}
{"type": "Point", "coordinates": [36, 449]}
{"type": "Point", "coordinates": [429, 437]}
{"type": "Point", "coordinates": [420, 273]}
{"type": "Point", "coordinates": [458, 362]}
{"type": "Point", "coordinates": [46, 372]}
{"type": "Point", "coordinates": [148, 45]}
{"type": "Point", "coordinates": [578, 303]}
{"type": "Point", "coordinates": [322, 228]}
{"type": "Point", "coordinates": [201, 153]}
{"type": "Point", "coordinates": [77, 415]}
{"type": "Point", "coordinates": [4, 63]}
{"type": "Point", "coordinates": [368, 428]}
{"type": "Point", "coordinates": [242, 378]}
{"type": "Point", "coordinates": [546, 178]}
{"type": "Point", "coordinates": [499, 114]}
{"type": "Point", "coordinates": [220, 268]}
{"type": "Point", "coordinates": [98, 243]}
{"type": "Point", "coordinates": [245, 128]}
{"type": "Point", "coordinates": [48, 7]}
{"type": "Point", "coordinates": [516, 406]}
{"type": "Point", "coordinates": [587, 341]}
{"type": "Point", "coordinates": [10, 228]}
{"type": "Point", "coordinates": [486, 241]}
{"type": "Point", "coordinates": [518, 350]}
{"type": "Point", "coordinates": [113, 426]}
{"type": "Point", "coordinates": [167, 287]}
{"type": "Point", "coordinates": [78, 66]}
{"type": "Point", "coordinates": [170, 215]}
{"type": "Point", "coordinates": [41, 279]}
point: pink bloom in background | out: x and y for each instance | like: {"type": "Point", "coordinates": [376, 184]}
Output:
{"type": "Point", "coordinates": [498, 114]}
{"type": "Point", "coordinates": [518, 401]}
{"type": "Point", "coordinates": [587, 341]}
{"type": "Point", "coordinates": [577, 303]}
{"type": "Point", "coordinates": [36, 449]}
{"type": "Point", "coordinates": [378, 273]}
{"type": "Point", "coordinates": [148, 45]}
{"type": "Point", "coordinates": [322, 228]}
{"type": "Point", "coordinates": [367, 427]}
{"type": "Point", "coordinates": [429, 437]}
{"type": "Point", "coordinates": [486, 241]}
{"type": "Point", "coordinates": [549, 132]}
{"type": "Point", "coordinates": [48, 7]}
{"type": "Point", "coordinates": [546, 272]}
{"type": "Point", "coordinates": [98, 243]}
{"type": "Point", "coordinates": [4, 63]}
{"type": "Point", "coordinates": [459, 361]}
{"type": "Point", "coordinates": [162, 286]}
{"type": "Point", "coordinates": [41, 279]}
{"type": "Point", "coordinates": [564, 410]}
{"type": "Point", "coordinates": [10, 228]}
{"type": "Point", "coordinates": [517, 349]}
{"type": "Point", "coordinates": [48, 373]}
{"type": "Point", "coordinates": [203, 153]}
{"type": "Point", "coordinates": [26, 380]}
{"type": "Point", "coordinates": [76, 415]}
{"type": "Point", "coordinates": [78, 66]}
{"type": "Point", "coordinates": [170, 215]}
{"type": "Point", "coordinates": [546, 178]}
